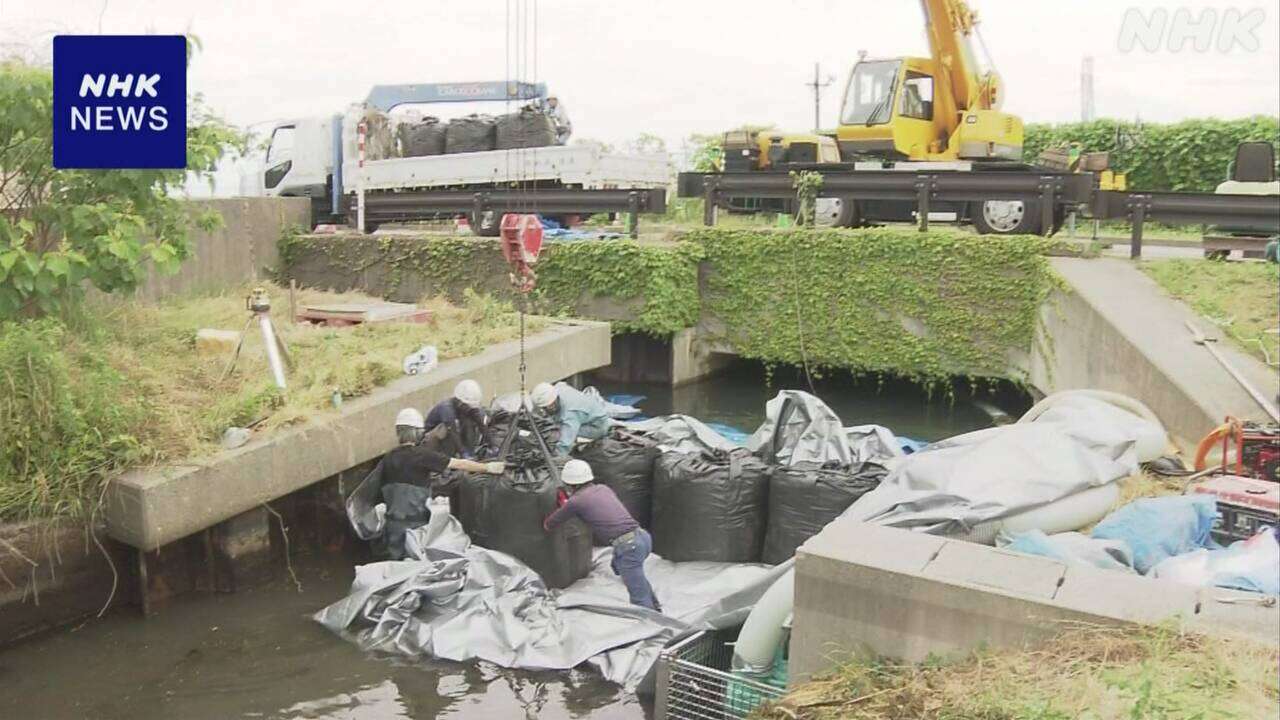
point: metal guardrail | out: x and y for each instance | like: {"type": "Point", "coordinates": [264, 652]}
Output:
{"type": "Point", "coordinates": [1052, 189]}
{"type": "Point", "coordinates": [412, 205]}
{"type": "Point", "coordinates": [694, 682]}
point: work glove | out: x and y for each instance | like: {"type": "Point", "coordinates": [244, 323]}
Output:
{"type": "Point", "coordinates": [497, 467]}
{"type": "Point", "coordinates": [562, 497]}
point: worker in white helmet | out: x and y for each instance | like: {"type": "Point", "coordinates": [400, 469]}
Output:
{"type": "Point", "coordinates": [578, 414]}
{"type": "Point", "coordinates": [411, 463]}
{"type": "Point", "coordinates": [462, 416]}
{"type": "Point", "coordinates": [599, 507]}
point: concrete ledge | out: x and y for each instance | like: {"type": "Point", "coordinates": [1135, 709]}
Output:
{"type": "Point", "coordinates": [148, 509]}
{"type": "Point", "coordinates": [1115, 329]}
{"type": "Point", "coordinates": [868, 590]}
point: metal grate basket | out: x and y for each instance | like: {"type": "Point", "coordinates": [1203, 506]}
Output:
{"type": "Point", "coordinates": [695, 683]}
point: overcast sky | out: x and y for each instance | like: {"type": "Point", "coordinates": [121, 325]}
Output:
{"type": "Point", "coordinates": [664, 66]}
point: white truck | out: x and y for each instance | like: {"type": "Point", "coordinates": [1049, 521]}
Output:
{"type": "Point", "coordinates": [319, 158]}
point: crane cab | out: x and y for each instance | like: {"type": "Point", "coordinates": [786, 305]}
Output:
{"type": "Point", "coordinates": [902, 109]}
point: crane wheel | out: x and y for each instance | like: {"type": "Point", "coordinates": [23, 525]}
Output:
{"type": "Point", "coordinates": [1006, 217]}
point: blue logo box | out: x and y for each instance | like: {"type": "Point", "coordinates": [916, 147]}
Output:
{"type": "Point", "coordinates": [120, 101]}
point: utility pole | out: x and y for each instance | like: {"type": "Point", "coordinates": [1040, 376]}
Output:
{"type": "Point", "coordinates": [1087, 111]}
{"type": "Point", "coordinates": [817, 86]}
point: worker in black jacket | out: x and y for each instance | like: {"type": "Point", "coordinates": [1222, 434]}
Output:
{"type": "Point", "coordinates": [462, 417]}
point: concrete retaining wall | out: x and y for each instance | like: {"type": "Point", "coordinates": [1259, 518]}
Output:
{"type": "Point", "coordinates": [1115, 329]}
{"type": "Point", "coordinates": [236, 253]}
{"type": "Point", "coordinates": [148, 509]}
{"type": "Point", "coordinates": [874, 591]}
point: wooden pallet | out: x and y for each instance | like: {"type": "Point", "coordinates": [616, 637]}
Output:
{"type": "Point", "coordinates": [345, 315]}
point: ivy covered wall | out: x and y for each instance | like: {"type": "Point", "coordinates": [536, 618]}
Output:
{"type": "Point", "coordinates": [921, 305]}
{"type": "Point", "coordinates": [889, 300]}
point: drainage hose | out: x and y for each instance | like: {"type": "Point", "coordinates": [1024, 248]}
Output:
{"type": "Point", "coordinates": [1151, 444]}
{"type": "Point", "coordinates": [1072, 512]}
{"type": "Point", "coordinates": [762, 632]}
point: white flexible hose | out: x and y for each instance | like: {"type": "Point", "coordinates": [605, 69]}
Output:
{"type": "Point", "coordinates": [1150, 444]}
{"type": "Point", "coordinates": [758, 641]}
{"type": "Point", "coordinates": [1063, 515]}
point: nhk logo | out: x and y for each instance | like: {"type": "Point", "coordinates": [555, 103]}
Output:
{"type": "Point", "coordinates": [119, 101]}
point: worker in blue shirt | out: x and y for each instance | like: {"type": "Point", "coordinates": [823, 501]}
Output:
{"type": "Point", "coordinates": [579, 415]}
{"type": "Point", "coordinates": [462, 416]}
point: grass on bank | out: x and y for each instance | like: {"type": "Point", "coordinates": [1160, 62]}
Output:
{"type": "Point", "coordinates": [1087, 672]}
{"type": "Point", "coordinates": [1242, 298]}
{"type": "Point", "coordinates": [120, 384]}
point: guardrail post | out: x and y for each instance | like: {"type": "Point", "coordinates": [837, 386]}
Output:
{"type": "Point", "coordinates": [1046, 206]}
{"type": "Point", "coordinates": [477, 212]}
{"type": "Point", "coordinates": [924, 187]}
{"type": "Point", "coordinates": [633, 215]}
{"type": "Point", "coordinates": [1137, 217]}
{"type": "Point", "coordinates": [710, 194]}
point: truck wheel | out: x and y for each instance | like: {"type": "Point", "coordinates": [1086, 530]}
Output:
{"type": "Point", "coordinates": [850, 214]}
{"type": "Point", "coordinates": [486, 224]}
{"type": "Point", "coordinates": [1007, 217]}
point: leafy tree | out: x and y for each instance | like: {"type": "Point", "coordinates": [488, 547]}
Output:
{"type": "Point", "coordinates": [61, 228]}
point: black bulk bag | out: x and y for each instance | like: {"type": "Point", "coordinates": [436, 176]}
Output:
{"type": "Point", "coordinates": [524, 447]}
{"type": "Point", "coordinates": [623, 461]}
{"type": "Point", "coordinates": [525, 129]}
{"type": "Point", "coordinates": [709, 506]}
{"type": "Point", "coordinates": [422, 138]}
{"type": "Point", "coordinates": [804, 497]}
{"type": "Point", "coordinates": [505, 513]}
{"type": "Point", "coordinates": [473, 133]}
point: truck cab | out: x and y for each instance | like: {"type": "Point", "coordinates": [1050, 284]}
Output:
{"type": "Point", "coordinates": [300, 162]}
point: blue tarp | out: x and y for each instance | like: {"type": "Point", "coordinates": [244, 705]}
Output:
{"type": "Point", "coordinates": [1159, 528]}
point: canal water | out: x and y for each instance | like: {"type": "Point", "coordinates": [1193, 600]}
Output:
{"type": "Point", "coordinates": [257, 654]}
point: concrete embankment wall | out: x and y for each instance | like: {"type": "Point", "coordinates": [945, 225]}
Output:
{"type": "Point", "coordinates": [238, 251]}
{"type": "Point", "coordinates": [1112, 328]}
{"type": "Point", "coordinates": [870, 591]}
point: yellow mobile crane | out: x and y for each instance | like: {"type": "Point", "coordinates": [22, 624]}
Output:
{"type": "Point", "coordinates": [942, 108]}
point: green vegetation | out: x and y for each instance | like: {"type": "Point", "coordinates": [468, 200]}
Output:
{"type": "Point", "coordinates": [926, 306]}
{"type": "Point", "coordinates": [1189, 155]}
{"type": "Point", "coordinates": [121, 384]}
{"type": "Point", "coordinates": [1099, 673]}
{"type": "Point", "coordinates": [648, 288]}
{"type": "Point", "coordinates": [1242, 298]}
{"type": "Point", "coordinates": [63, 229]}
{"type": "Point", "coordinates": [662, 281]}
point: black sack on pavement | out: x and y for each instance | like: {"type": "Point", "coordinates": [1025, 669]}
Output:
{"type": "Point", "coordinates": [623, 460]}
{"type": "Point", "coordinates": [709, 506]}
{"type": "Point", "coordinates": [473, 133]}
{"type": "Point", "coordinates": [505, 513]}
{"type": "Point", "coordinates": [422, 138]}
{"type": "Point", "coordinates": [527, 128]}
{"type": "Point", "coordinates": [806, 496]}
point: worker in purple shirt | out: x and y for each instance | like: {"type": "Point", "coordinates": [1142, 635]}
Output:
{"type": "Point", "coordinates": [611, 524]}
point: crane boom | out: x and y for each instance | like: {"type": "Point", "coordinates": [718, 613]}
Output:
{"type": "Point", "coordinates": [949, 24]}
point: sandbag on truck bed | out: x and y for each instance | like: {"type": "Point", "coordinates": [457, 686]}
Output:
{"type": "Point", "coordinates": [524, 129]}
{"type": "Point", "coordinates": [806, 496]}
{"type": "Point", "coordinates": [473, 133]}
{"type": "Point", "coordinates": [422, 138]}
{"type": "Point", "coordinates": [623, 460]}
{"type": "Point", "coordinates": [709, 506]}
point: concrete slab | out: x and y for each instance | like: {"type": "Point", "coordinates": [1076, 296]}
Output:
{"type": "Point", "coordinates": [1115, 329]}
{"type": "Point", "coordinates": [150, 508]}
{"type": "Point", "coordinates": [864, 590]}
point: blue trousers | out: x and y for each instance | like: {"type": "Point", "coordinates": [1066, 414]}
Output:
{"type": "Point", "coordinates": [628, 561]}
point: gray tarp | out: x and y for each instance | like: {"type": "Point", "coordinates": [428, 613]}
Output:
{"type": "Point", "coordinates": [799, 427]}
{"type": "Point", "coordinates": [955, 484]}
{"type": "Point", "coordinates": [455, 601]}
{"type": "Point", "coordinates": [683, 433]}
